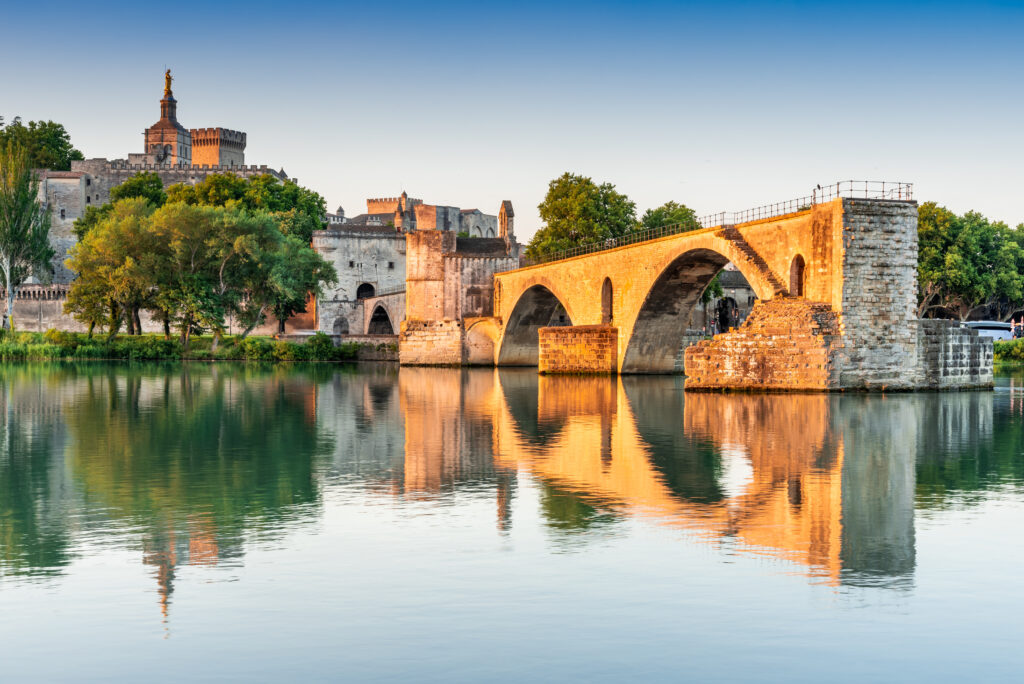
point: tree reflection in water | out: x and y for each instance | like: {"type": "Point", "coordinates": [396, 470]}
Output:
{"type": "Point", "coordinates": [188, 463]}
{"type": "Point", "coordinates": [196, 459]}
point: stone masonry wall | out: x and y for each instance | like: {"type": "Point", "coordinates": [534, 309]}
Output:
{"type": "Point", "coordinates": [879, 291]}
{"type": "Point", "coordinates": [785, 344]}
{"type": "Point", "coordinates": [430, 343]}
{"type": "Point", "coordinates": [578, 349]}
{"type": "Point", "coordinates": [953, 356]}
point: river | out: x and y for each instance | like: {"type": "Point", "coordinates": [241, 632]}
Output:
{"type": "Point", "coordinates": [327, 523]}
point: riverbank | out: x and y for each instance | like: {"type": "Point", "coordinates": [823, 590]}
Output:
{"type": "Point", "coordinates": [55, 344]}
{"type": "Point", "coordinates": [1008, 351]}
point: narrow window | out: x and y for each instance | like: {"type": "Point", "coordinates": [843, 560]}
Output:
{"type": "Point", "coordinates": [62, 216]}
{"type": "Point", "coordinates": [88, 200]}
{"type": "Point", "coordinates": [391, 265]}
{"type": "Point", "coordinates": [88, 181]}
{"type": "Point", "coordinates": [351, 264]}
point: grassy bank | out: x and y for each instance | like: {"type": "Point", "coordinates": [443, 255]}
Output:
{"type": "Point", "coordinates": [55, 344]}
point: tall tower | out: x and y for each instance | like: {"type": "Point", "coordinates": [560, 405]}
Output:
{"type": "Point", "coordinates": [168, 143]}
{"type": "Point", "coordinates": [506, 221]}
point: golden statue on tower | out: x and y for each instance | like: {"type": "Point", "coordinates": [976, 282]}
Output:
{"type": "Point", "coordinates": [167, 83]}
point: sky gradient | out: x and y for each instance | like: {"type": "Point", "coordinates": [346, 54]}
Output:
{"type": "Point", "coordinates": [721, 106]}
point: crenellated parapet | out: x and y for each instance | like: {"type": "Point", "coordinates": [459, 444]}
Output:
{"type": "Point", "coordinates": [218, 136]}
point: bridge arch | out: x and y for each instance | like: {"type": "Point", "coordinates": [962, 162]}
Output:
{"type": "Point", "coordinates": [536, 307]}
{"type": "Point", "coordinates": [662, 319]}
{"type": "Point", "coordinates": [380, 322]}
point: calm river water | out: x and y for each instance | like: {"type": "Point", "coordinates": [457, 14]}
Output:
{"type": "Point", "coordinates": [226, 522]}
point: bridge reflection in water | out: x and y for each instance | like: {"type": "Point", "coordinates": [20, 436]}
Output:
{"type": "Point", "coordinates": [825, 482]}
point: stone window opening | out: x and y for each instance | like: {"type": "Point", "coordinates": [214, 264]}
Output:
{"type": "Point", "coordinates": [63, 215]}
{"type": "Point", "coordinates": [607, 315]}
{"type": "Point", "coordinates": [88, 200]}
{"type": "Point", "coordinates": [391, 265]}
{"type": "Point", "coordinates": [88, 181]}
{"type": "Point", "coordinates": [365, 290]}
{"type": "Point", "coordinates": [351, 264]}
{"type": "Point", "coordinates": [796, 277]}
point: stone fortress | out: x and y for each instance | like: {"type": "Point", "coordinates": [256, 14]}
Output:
{"type": "Point", "coordinates": [374, 254]}
{"type": "Point", "coordinates": [176, 154]}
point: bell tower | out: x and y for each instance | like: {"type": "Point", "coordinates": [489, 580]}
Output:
{"type": "Point", "coordinates": [168, 143]}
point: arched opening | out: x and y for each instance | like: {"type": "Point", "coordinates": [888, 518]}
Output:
{"type": "Point", "coordinates": [607, 315]}
{"type": "Point", "coordinates": [727, 314]}
{"type": "Point", "coordinates": [380, 323]}
{"type": "Point", "coordinates": [490, 232]}
{"type": "Point", "coordinates": [796, 277]}
{"type": "Point", "coordinates": [341, 326]}
{"type": "Point", "coordinates": [663, 324]}
{"type": "Point", "coordinates": [365, 290]}
{"type": "Point", "coordinates": [537, 308]}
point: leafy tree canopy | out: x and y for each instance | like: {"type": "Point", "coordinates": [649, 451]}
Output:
{"type": "Point", "coordinates": [669, 213]}
{"type": "Point", "coordinates": [967, 265]}
{"type": "Point", "coordinates": [577, 211]}
{"type": "Point", "coordinates": [192, 266]}
{"type": "Point", "coordinates": [48, 143]}
{"type": "Point", "coordinates": [300, 211]}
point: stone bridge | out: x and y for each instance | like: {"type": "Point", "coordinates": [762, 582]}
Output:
{"type": "Point", "coordinates": [836, 283]}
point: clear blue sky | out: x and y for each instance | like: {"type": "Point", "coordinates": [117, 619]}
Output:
{"type": "Point", "coordinates": [717, 105]}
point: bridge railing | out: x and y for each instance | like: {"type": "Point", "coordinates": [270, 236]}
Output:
{"type": "Point", "coordinates": [884, 190]}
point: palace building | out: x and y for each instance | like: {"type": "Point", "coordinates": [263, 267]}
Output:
{"type": "Point", "coordinates": [175, 153]}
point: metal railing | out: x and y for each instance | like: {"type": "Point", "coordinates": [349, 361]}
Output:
{"type": "Point", "coordinates": [879, 190]}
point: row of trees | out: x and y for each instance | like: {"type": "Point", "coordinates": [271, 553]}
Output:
{"type": "Point", "coordinates": [194, 256]}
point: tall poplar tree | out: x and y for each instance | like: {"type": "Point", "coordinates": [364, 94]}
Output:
{"type": "Point", "coordinates": [25, 249]}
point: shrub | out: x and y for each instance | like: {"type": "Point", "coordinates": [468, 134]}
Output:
{"type": "Point", "coordinates": [1009, 350]}
{"type": "Point", "coordinates": [289, 351]}
{"type": "Point", "coordinates": [320, 348]}
{"type": "Point", "coordinates": [257, 349]}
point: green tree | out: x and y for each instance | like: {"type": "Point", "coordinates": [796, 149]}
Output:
{"type": "Point", "coordinates": [115, 263]}
{"type": "Point", "coordinates": [48, 143]}
{"type": "Point", "coordinates": [967, 265]}
{"type": "Point", "coordinates": [577, 211]}
{"type": "Point", "coordinates": [670, 213]}
{"type": "Point", "coordinates": [145, 184]}
{"type": "Point", "coordinates": [25, 249]}
{"type": "Point", "coordinates": [299, 211]}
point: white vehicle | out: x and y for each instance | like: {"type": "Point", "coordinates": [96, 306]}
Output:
{"type": "Point", "coordinates": [997, 330]}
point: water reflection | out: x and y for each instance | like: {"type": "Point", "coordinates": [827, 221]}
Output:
{"type": "Point", "coordinates": [185, 466]}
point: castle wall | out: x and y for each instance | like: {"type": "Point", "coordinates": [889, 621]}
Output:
{"type": "Point", "coordinates": [217, 147]}
{"type": "Point", "coordinates": [478, 224]}
{"type": "Point", "coordinates": [67, 194]}
{"type": "Point", "coordinates": [437, 217]}
{"type": "Point", "coordinates": [469, 284]}
{"type": "Point", "coordinates": [39, 308]}
{"type": "Point", "coordinates": [376, 258]}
